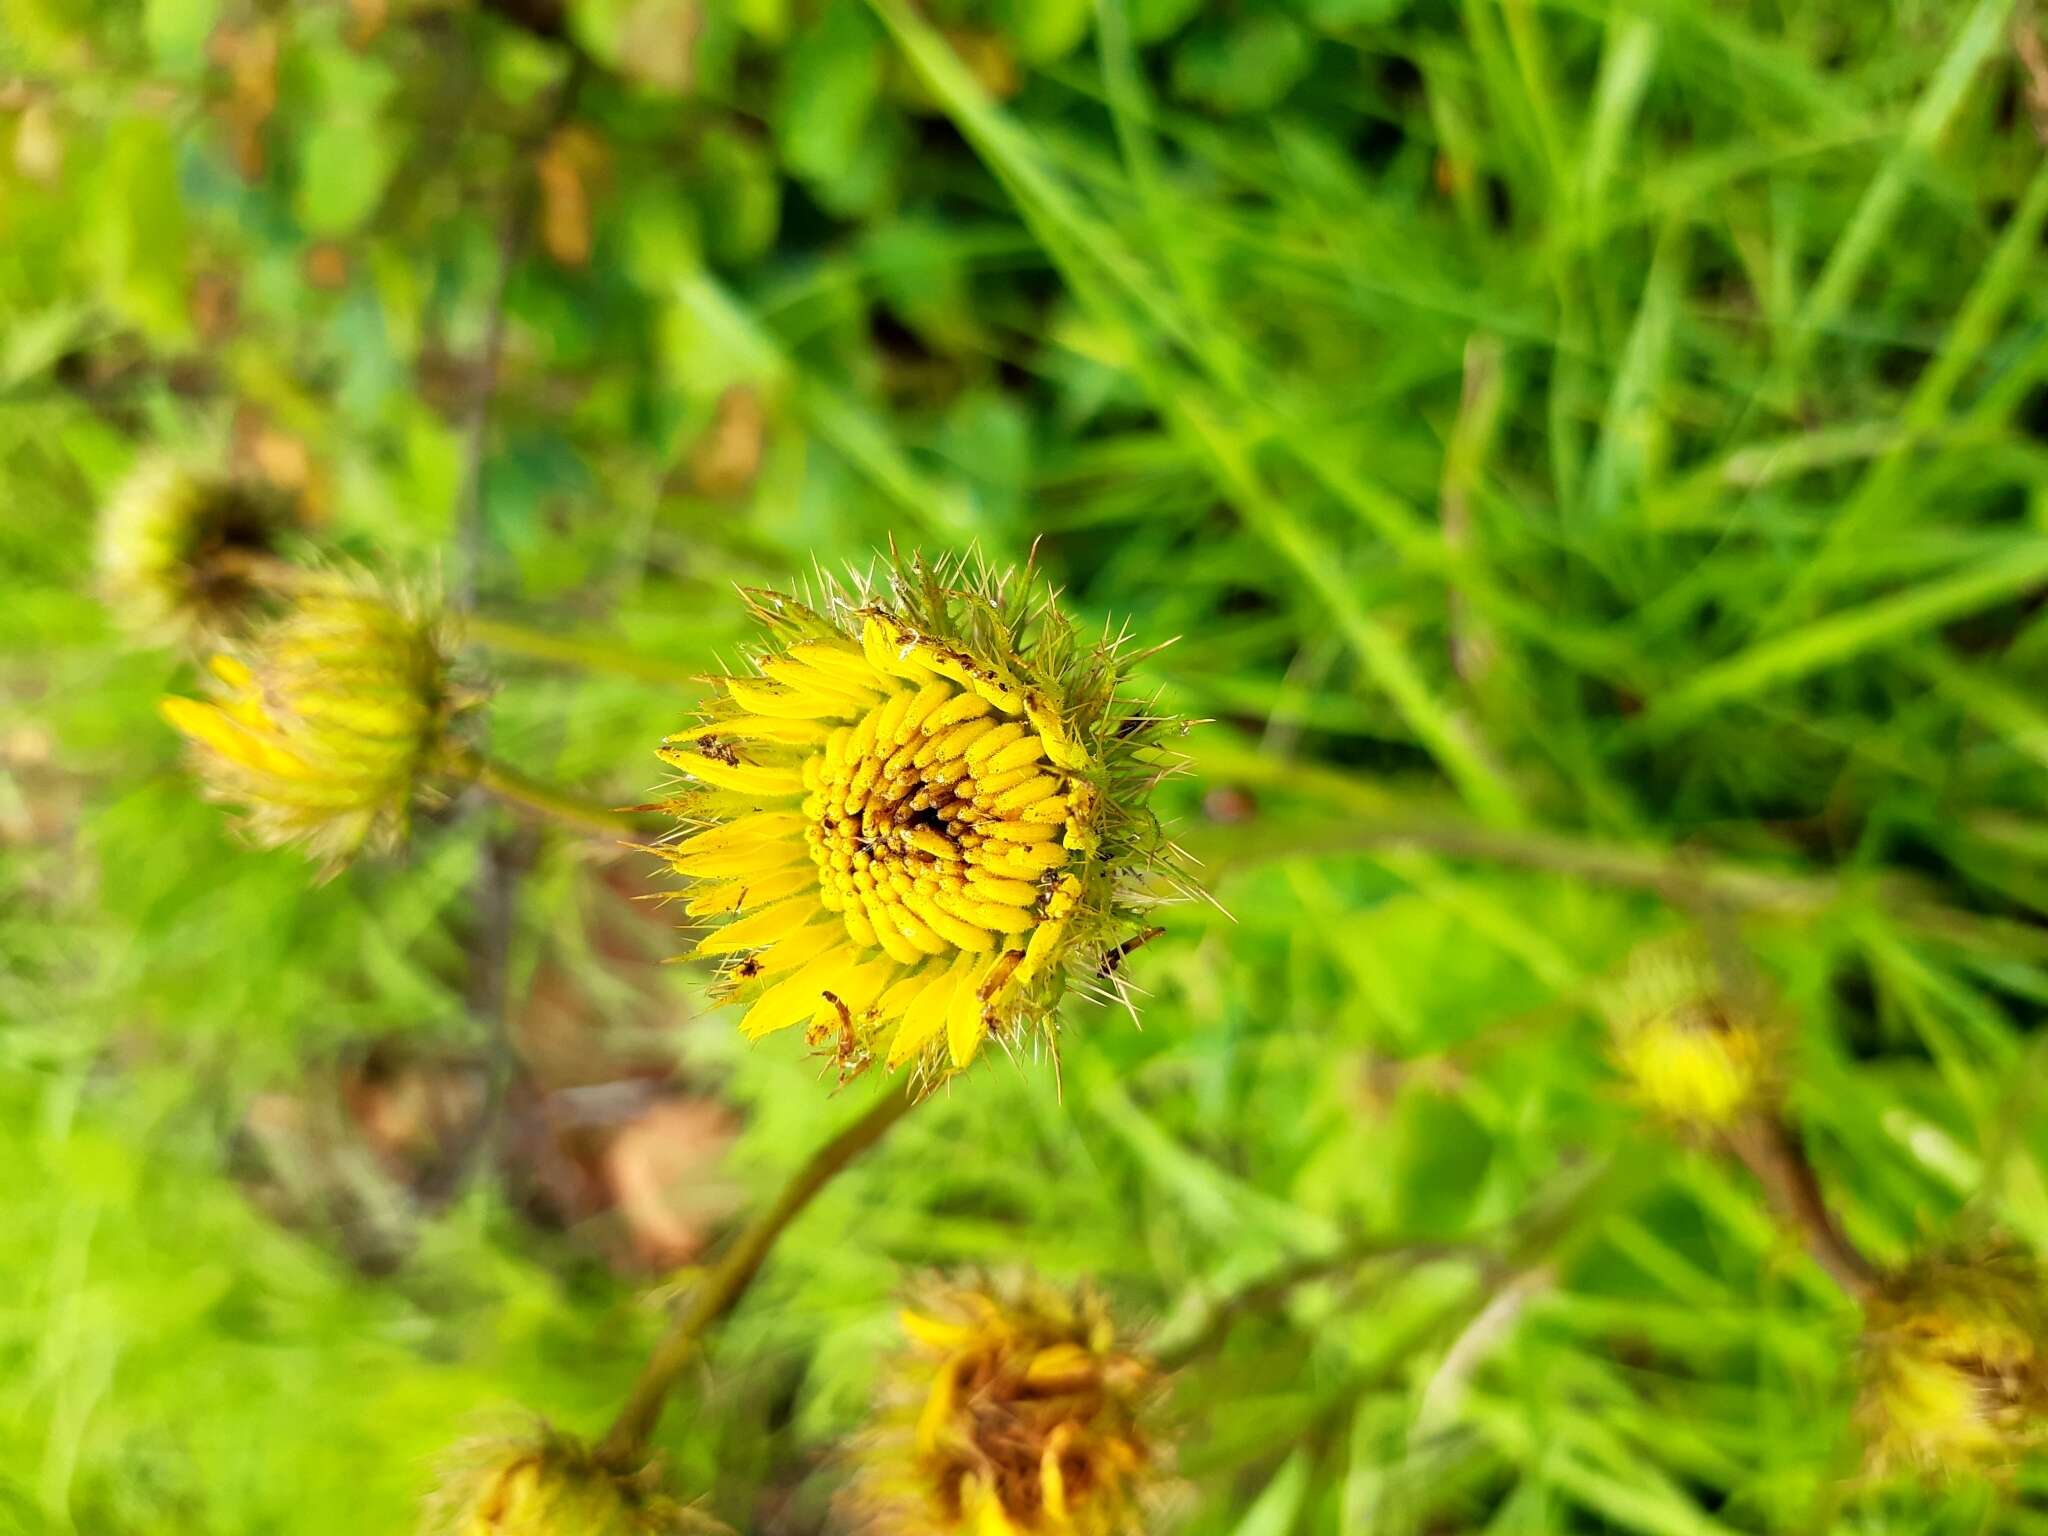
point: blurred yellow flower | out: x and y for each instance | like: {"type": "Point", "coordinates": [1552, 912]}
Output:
{"type": "Point", "coordinates": [1012, 1412]}
{"type": "Point", "coordinates": [1954, 1367]}
{"type": "Point", "coordinates": [921, 815]}
{"type": "Point", "coordinates": [1691, 1054]}
{"type": "Point", "coordinates": [323, 728]}
{"type": "Point", "coordinates": [547, 1484]}
{"type": "Point", "coordinates": [178, 550]}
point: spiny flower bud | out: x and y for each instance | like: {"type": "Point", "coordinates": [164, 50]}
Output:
{"type": "Point", "coordinates": [323, 727]}
{"type": "Point", "coordinates": [920, 814]}
{"type": "Point", "coordinates": [547, 1484]}
{"type": "Point", "coordinates": [177, 551]}
{"type": "Point", "coordinates": [1012, 1413]}
{"type": "Point", "coordinates": [1691, 1053]}
{"type": "Point", "coordinates": [1954, 1367]}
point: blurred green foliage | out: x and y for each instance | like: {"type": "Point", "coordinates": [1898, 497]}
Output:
{"type": "Point", "coordinates": [1592, 455]}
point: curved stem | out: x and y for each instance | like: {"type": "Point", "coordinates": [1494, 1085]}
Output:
{"type": "Point", "coordinates": [516, 789]}
{"type": "Point", "coordinates": [537, 645]}
{"type": "Point", "coordinates": [1776, 1158]}
{"type": "Point", "coordinates": [720, 1290]}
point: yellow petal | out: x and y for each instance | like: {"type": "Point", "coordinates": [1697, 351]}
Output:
{"type": "Point", "coordinates": [933, 1331]}
{"type": "Point", "coordinates": [1013, 893]}
{"type": "Point", "coordinates": [745, 859]}
{"type": "Point", "coordinates": [791, 733]}
{"type": "Point", "coordinates": [794, 998]}
{"type": "Point", "coordinates": [987, 748]}
{"type": "Point", "coordinates": [959, 708]}
{"type": "Point", "coordinates": [759, 827]}
{"type": "Point", "coordinates": [761, 697]}
{"type": "Point", "coordinates": [964, 1028]}
{"type": "Point", "coordinates": [1021, 753]}
{"type": "Point", "coordinates": [758, 928]}
{"type": "Point", "coordinates": [925, 1016]}
{"type": "Point", "coordinates": [888, 935]}
{"type": "Point", "coordinates": [985, 916]}
{"type": "Point", "coordinates": [947, 925]}
{"type": "Point", "coordinates": [883, 643]}
{"type": "Point", "coordinates": [221, 733]}
{"type": "Point", "coordinates": [841, 661]}
{"type": "Point", "coordinates": [938, 1407]}
{"type": "Point", "coordinates": [803, 945]}
{"type": "Point", "coordinates": [902, 992]}
{"type": "Point", "coordinates": [751, 891]}
{"type": "Point", "coordinates": [1018, 831]}
{"type": "Point", "coordinates": [745, 778]}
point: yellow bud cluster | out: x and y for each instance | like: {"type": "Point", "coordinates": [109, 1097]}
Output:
{"type": "Point", "coordinates": [322, 727]}
{"type": "Point", "coordinates": [1954, 1367]}
{"type": "Point", "coordinates": [177, 551]}
{"type": "Point", "coordinates": [1011, 1413]}
{"type": "Point", "coordinates": [549, 1485]}
{"type": "Point", "coordinates": [1690, 1053]}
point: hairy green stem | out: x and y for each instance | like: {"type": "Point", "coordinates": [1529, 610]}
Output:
{"type": "Point", "coordinates": [528, 794]}
{"type": "Point", "coordinates": [625, 1443]}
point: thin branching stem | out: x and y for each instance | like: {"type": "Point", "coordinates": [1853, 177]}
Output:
{"type": "Point", "coordinates": [513, 639]}
{"type": "Point", "coordinates": [544, 800]}
{"type": "Point", "coordinates": [625, 1444]}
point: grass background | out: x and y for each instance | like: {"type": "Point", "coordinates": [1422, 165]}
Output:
{"type": "Point", "coordinates": [1592, 454]}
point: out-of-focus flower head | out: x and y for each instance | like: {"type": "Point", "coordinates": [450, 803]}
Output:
{"type": "Point", "coordinates": [324, 727]}
{"type": "Point", "coordinates": [546, 1484]}
{"type": "Point", "coordinates": [1013, 1412]}
{"type": "Point", "coordinates": [179, 550]}
{"type": "Point", "coordinates": [1954, 1367]}
{"type": "Point", "coordinates": [919, 815]}
{"type": "Point", "coordinates": [1692, 1053]}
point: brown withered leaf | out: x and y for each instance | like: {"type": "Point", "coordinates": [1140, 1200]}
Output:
{"type": "Point", "coordinates": [247, 56]}
{"type": "Point", "coordinates": [570, 169]}
{"type": "Point", "coordinates": [366, 19]}
{"type": "Point", "coordinates": [326, 264]}
{"type": "Point", "coordinates": [727, 456]}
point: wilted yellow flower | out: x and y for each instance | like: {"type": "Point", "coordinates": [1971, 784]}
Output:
{"type": "Point", "coordinates": [922, 811]}
{"type": "Point", "coordinates": [1692, 1054]}
{"type": "Point", "coordinates": [1955, 1367]}
{"type": "Point", "coordinates": [324, 727]}
{"type": "Point", "coordinates": [547, 1484]}
{"type": "Point", "coordinates": [1012, 1412]}
{"type": "Point", "coordinates": [177, 550]}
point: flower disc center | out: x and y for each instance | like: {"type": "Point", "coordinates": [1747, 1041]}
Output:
{"type": "Point", "coordinates": [931, 821]}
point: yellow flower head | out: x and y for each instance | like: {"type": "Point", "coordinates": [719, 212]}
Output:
{"type": "Point", "coordinates": [1954, 1367]}
{"type": "Point", "coordinates": [322, 728]}
{"type": "Point", "coordinates": [920, 813]}
{"type": "Point", "coordinates": [1691, 1054]}
{"type": "Point", "coordinates": [175, 551]}
{"type": "Point", "coordinates": [1011, 1413]}
{"type": "Point", "coordinates": [547, 1484]}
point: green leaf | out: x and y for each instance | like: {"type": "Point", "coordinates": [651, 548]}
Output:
{"type": "Point", "coordinates": [1242, 66]}
{"type": "Point", "coordinates": [344, 165]}
{"type": "Point", "coordinates": [832, 80]}
{"type": "Point", "coordinates": [1044, 31]}
{"type": "Point", "coordinates": [739, 194]}
{"type": "Point", "coordinates": [177, 30]}
{"type": "Point", "coordinates": [139, 220]}
{"type": "Point", "coordinates": [1331, 14]}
